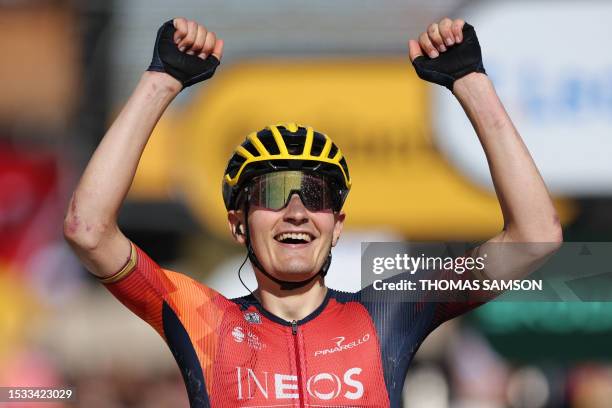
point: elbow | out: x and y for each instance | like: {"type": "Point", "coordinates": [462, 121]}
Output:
{"type": "Point", "coordinates": [77, 237]}
{"type": "Point", "coordinates": [553, 240]}
{"type": "Point", "coordinates": [539, 242]}
{"type": "Point", "coordinates": [82, 231]}
{"type": "Point", "coordinates": [537, 231]}
{"type": "Point", "coordinates": [83, 235]}
{"type": "Point", "coordinates": [553, 233]}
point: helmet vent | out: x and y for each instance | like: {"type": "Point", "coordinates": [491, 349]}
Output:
{"type": "Point", "coordinates": [235, 164]}
{"type": "Point", "coordinates": [332, 151]}
{"type": "Point", "coordinates": [295, 142]}
{"type": "Point", "coordinates": [344, 166]}
{"type": "Point", "coordinates": [250, 148]}
{"type": "Point", "coordinates": [267, 139]}
{"type": "Point", "coordinates": [318, 142]}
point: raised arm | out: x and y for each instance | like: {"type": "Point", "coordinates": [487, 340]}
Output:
{"type": "Point", "coordinates": [454, 60]}
{"type": "Point", "coordinates": [184, 53]}
{"type": "Point", "coordinates": [528, 211]}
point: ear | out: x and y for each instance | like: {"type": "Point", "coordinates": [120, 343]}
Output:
{"type": "Point", "coordinates": [235, 220]}
{"type": "Point", "coordinates": [338, 224]}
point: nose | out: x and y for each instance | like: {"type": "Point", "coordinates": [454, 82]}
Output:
{"type": "Point", "coordinates": [295, 211]}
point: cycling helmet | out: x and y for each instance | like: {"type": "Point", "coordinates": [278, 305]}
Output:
{"type": "Point", "coordinates": [287, 146]}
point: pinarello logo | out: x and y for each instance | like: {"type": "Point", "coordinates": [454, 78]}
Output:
{"type": "Point", "coordinates": [238, 334]}
{"type": "Point", "coordinates": [340, 345]}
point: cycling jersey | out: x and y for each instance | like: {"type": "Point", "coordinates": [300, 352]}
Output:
{"type": "Point", "coordinates": [352, 351]}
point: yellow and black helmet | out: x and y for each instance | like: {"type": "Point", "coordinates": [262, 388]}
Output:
{"type": "Point", "coordinates": [287, 146]}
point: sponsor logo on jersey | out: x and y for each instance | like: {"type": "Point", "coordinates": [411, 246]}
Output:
{"type": "Point", "coordinates": [252, 339]}
{"type": "Point", "coordinates": [252, 317]}
{"type": "Point", "coordinates": [275, 386]}
{"type": "Point", "coordinates": [340, 345]}
{"type": "Point", "coordinates": [238, 334]}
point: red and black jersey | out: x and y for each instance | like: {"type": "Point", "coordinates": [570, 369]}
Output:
{"type": "Point", "coordinates": [352, 351]}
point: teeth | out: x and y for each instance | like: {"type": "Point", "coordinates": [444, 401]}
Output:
{"type": "Point", "coordinates": [293, 235]}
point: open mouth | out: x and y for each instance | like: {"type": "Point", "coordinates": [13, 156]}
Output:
{"type": "Point", "coordinates": [294, 238]}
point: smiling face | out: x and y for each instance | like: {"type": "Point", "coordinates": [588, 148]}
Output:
{"type": "Point", "coordinates": [292, 244]}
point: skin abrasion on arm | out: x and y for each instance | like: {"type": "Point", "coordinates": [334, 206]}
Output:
{"type": "Point", "coordinates": [185, 53]}
{"type": "Point", "coordinates": [91, 221]}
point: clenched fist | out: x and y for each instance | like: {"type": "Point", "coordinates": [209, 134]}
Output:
{"type": "Point", "coordinates": [187, 51]}
{"type": "Point", "coordinates": [452, 51]}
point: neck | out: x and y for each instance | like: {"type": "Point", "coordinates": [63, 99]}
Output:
{"type": "Point", "coordinates": [294, 304]}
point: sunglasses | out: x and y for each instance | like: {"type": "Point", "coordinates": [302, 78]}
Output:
{"type": "Point", "coordinates": [274, 190]}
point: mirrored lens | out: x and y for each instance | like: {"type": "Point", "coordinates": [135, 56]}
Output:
{"type": "Point", "coordinates": [273, 190]}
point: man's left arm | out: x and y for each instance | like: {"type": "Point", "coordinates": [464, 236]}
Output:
{"type": "Point", "coordinates": [453, 59]}
{"type": "Point", "coordinates": [530, 219]}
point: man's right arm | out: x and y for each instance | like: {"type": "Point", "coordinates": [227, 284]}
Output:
{"type": "Point", "coordinates": [90, 226]}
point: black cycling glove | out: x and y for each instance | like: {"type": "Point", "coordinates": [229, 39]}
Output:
{"type": "Point", "coordinates": [188, 69]}
{"type": "Point", "coordinates": [458, 61]}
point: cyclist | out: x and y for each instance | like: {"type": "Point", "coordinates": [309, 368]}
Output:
{"type": "Point", "coordinates": [293, 342]}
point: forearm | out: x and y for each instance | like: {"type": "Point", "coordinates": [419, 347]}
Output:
{"type": "Point", "coordinates": [528, 211]}
{"type": "Point", "coordinates": [107, 178]}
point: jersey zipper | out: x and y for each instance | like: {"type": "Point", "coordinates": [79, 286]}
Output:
{"type": "Point", "coordinates": [294, 331]}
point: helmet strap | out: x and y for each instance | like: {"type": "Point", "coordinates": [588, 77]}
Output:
{"type": "Point", "coordinates": [284, 285]}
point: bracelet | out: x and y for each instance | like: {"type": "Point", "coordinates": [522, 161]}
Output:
{"type": "Point", "coordinates": [127, 268]}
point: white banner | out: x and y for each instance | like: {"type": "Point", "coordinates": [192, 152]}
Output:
{"type": "Point", "coordinates": [552, 67]}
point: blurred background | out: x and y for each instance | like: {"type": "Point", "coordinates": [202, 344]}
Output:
{"type": "Point", "coordinates": [341, 66]}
